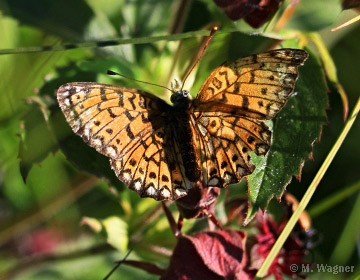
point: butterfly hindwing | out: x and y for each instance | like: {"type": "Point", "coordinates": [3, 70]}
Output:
{"type": "Point", "coordinates": [152, 169]}
{"type": "Point", "coordinates": [228, 142]}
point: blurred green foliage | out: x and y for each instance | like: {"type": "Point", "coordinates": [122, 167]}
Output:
{"type": "Point", "coordinates": [47, 182]}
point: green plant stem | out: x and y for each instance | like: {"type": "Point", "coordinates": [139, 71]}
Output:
{"type": "Point", "coordinates": [114, 42]}
{"type": "Point", "coordinates": [309, 193]}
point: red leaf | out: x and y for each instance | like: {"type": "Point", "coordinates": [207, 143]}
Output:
{"type": "Point", "coordinates": [209, 255]}
{"type": "Point", "coordinates": [348, 4]}
{"type": "Point", "coordinates": [254, 12]}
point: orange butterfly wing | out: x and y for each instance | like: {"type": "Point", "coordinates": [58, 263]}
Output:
{"type": "Point", "coordinates": [131, 128]}
{"type": "Point", "coordinates": [231, 106]}
{"type": "Point", "coordinates": [135, 130]}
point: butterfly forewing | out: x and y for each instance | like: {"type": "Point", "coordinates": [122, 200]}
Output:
{"type": "Point", "coordinates": [131, 128]}
{"type": "Point", "coordinates": [111, 119]}
{"type": "Point", "coordinates": [256, 86]}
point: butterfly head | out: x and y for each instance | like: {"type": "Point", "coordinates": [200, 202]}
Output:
{"type": "Point", "coordinates": [181, 98]}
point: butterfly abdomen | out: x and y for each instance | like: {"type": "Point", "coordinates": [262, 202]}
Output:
{"type": "Point", "coordinates": [182, 129]}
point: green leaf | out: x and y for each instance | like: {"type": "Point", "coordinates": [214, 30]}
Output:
{"type": "Point", "coordinates": [116, 231]}
{"type": "Point", "coordinates": [296, 128]}
{"type": "Point", "coordinates": [70, 23]}
{"type": "Point", "coordinates": [330, 68]}
{"type": "Point", "coordinates": [314, 15]}
{"type": "Point", "coordinates": [36, 140]}
{"type": "Point", "coordinates": [92, 223]}
{"type": "Point", "coordinates": [113, 228]}
{"type": "Point", "coordinates": [22, 74]}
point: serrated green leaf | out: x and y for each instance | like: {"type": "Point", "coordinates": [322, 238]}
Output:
{"type": "Point", "coordinates": [330, 68]}
{"type": "Point", "coordinates": [296, 128]}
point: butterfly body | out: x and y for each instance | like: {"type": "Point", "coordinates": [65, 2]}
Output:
{"type": "Point", "coordinates": [181, 121]}
{"type": "Point", "coordinates": [161, 150]}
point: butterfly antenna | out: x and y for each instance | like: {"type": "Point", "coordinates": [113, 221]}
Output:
{"type": "Point", "coordinates": [109, 72]}
{"type": "Point", "coordinates": [212, 33]}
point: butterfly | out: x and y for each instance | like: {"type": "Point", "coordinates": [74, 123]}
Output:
{"type": "Point", "coordinates": [161, 150]}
